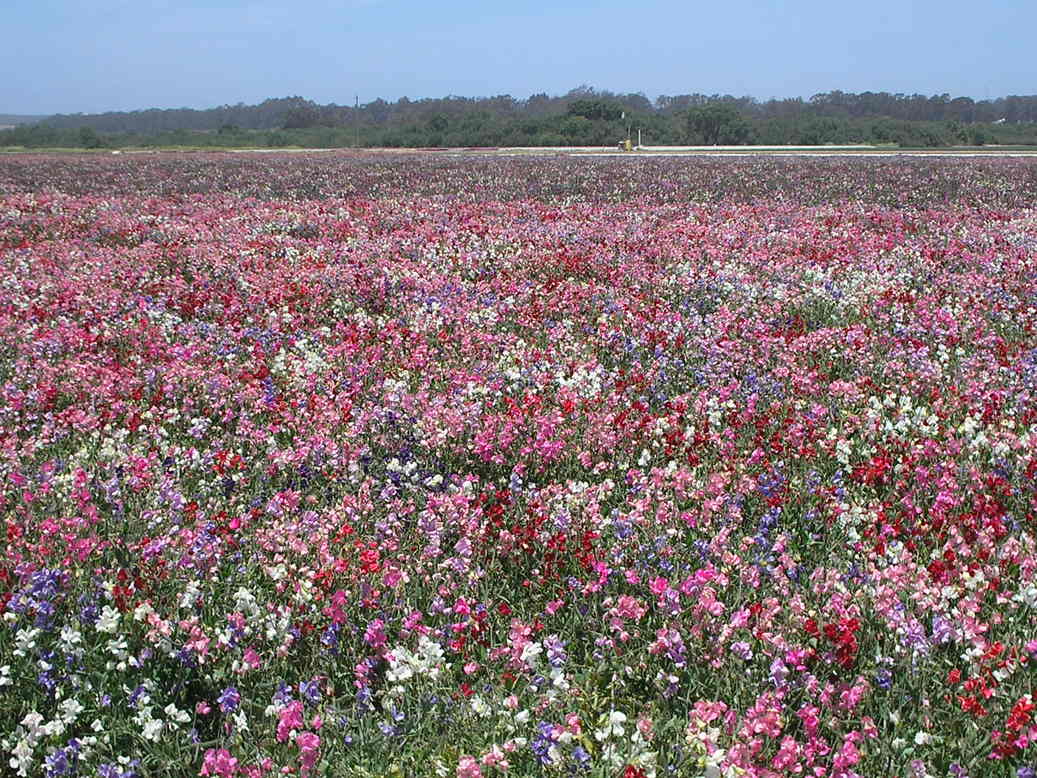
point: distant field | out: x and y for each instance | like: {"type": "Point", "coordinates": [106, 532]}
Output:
{"type": "Point", "coordinates": [876, 151]}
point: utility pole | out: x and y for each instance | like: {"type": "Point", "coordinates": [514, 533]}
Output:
{"type": "Point", "coordinates": [356, 123]}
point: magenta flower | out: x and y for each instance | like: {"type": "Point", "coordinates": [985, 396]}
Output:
{"type": "Point", "coordinates": [218, 762]}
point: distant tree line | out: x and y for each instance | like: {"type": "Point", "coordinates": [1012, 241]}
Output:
{"type": "Point", "coordinates": [583, 116]}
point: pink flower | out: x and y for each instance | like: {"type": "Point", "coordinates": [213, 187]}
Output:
{"type": "Point", "coordinates": [412, 620]}
{"type": "Point", "coordinates": [289, 718]}
{"type": "Point", "coordinates": [808, 715]}
{"type": "Point", "coordinates": [309, 750]}
{"type": "Point", "coordinates": [468, 767]}
{"type": "Point", "coordinates": [629, 607]}
{"type": "Point", "coordinates": [336, 611]}
{"type": "Point", "coordinates": [251, 658]}
{"type": "Point", "coordinates": [219, 763]}
{"type": "Point", "coordinates": [704, 712]}
{"type": "Point", "coordinates": [495, 758]}
{"type": "Point", "coordinates": [375, 634]}
{"type": "Point", "coordinates": [787, 757]}
{"type": "Point", "coordinates": [848, 755]}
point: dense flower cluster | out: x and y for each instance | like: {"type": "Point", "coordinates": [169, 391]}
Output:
{"type": "Point", "coordinates": [628, 478]}
{"type": "Point", "coordinates": [563, 178]}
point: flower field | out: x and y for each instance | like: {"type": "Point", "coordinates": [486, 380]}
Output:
{"type": "Point", "coordinates": [331, 465]}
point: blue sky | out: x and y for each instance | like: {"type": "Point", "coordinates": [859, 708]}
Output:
{"type": "Point", "coordinates": [102, 55]}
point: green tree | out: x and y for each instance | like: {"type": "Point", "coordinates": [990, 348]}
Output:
{"type": "Point", "coordinates": [576, 129]}
{"type": "Point", "coordinates": [89, 139]}
{"type": "Point", "coordinates": [718, 123]}
{"type": "Point", "coordinates": [301, 117]}
{"type": "Point", "coordinates": [595, 109]}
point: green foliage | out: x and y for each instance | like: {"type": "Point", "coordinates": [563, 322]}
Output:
{"type": "Point", "coordinates": [302, 116]}
{"type": "Point", "coordinates": [89, 139]}
{"type": "Point", "coordinates": [576, 127]}
{"type": "Point", "coordinates": [583, 117]}
{"type": "Point", "coordinates": [718, 123]}
{"type": "Point", "coordinates": [596, 109]}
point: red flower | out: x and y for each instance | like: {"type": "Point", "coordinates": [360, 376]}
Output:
{"type": "Point", "coordinates": [1020, 715]}
{"type": "Point", "coordinates": [369, 561]}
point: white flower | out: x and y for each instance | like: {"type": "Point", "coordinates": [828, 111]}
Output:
{"type": "Point", "coordinates": [21, 758]}
{"type": "Point", "coordinates": [1027, 596]}
{"type": "Point", "coordinates": [530, 652]}
{"type": "Point", "coordinates": [70, 637]}
{"type": "Point", "coordinates": [32, 722]}
{"type": "Point", "coordinates": [108, 621]}
{"type": "Point", "coordinates": [117, 648]}
{"type": "Point", "coordinates": [25, 640]}
{"type": "Point", "coordinates": [5, 676]}
{"type": "Point", "coordinates": [152, 730]}
{"type": "Point", "coordinates": [558, 679]}
{"type": "Point", "coordinates": [70, 709]}
{"type": "Point", "coordinates": [192, 592]}
{"type": "Point", "coordinates": [613, 726]}
{"type": "Point", "coordinates": [176, 715]}
{"type": "Point", "coordinates": [427, 661]}
{"type": "Point", "coordinates": [142, 611]}
{"type": "Point", "coordinates": [480, 706]}
{"type": "Point", "coordinates": [245, 601]}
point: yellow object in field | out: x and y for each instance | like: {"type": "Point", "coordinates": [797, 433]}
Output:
{"type": "Point", "coordinates": [627, 145]}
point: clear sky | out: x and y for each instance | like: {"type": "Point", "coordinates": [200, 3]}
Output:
{"type": "Point", "coordinates": [101, 55]}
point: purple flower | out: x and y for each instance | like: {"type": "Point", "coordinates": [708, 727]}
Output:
{"type": "Point", "coordinates": [743, 650]}
{"type": "Point", "coordinates": [229, 699]}
{"type": "Point", "coordinates": [555, 651]}
{"type": "Point", "coordinates": [884, 679]}
{"type": "Point", "coordinates": [582, 757]}
{"type": "Point", "coordinates": [135, 695]}
{"type": "Point", "coordinates": [310, 690]}
{"type": "Point", "coordinates": [283, 695]}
